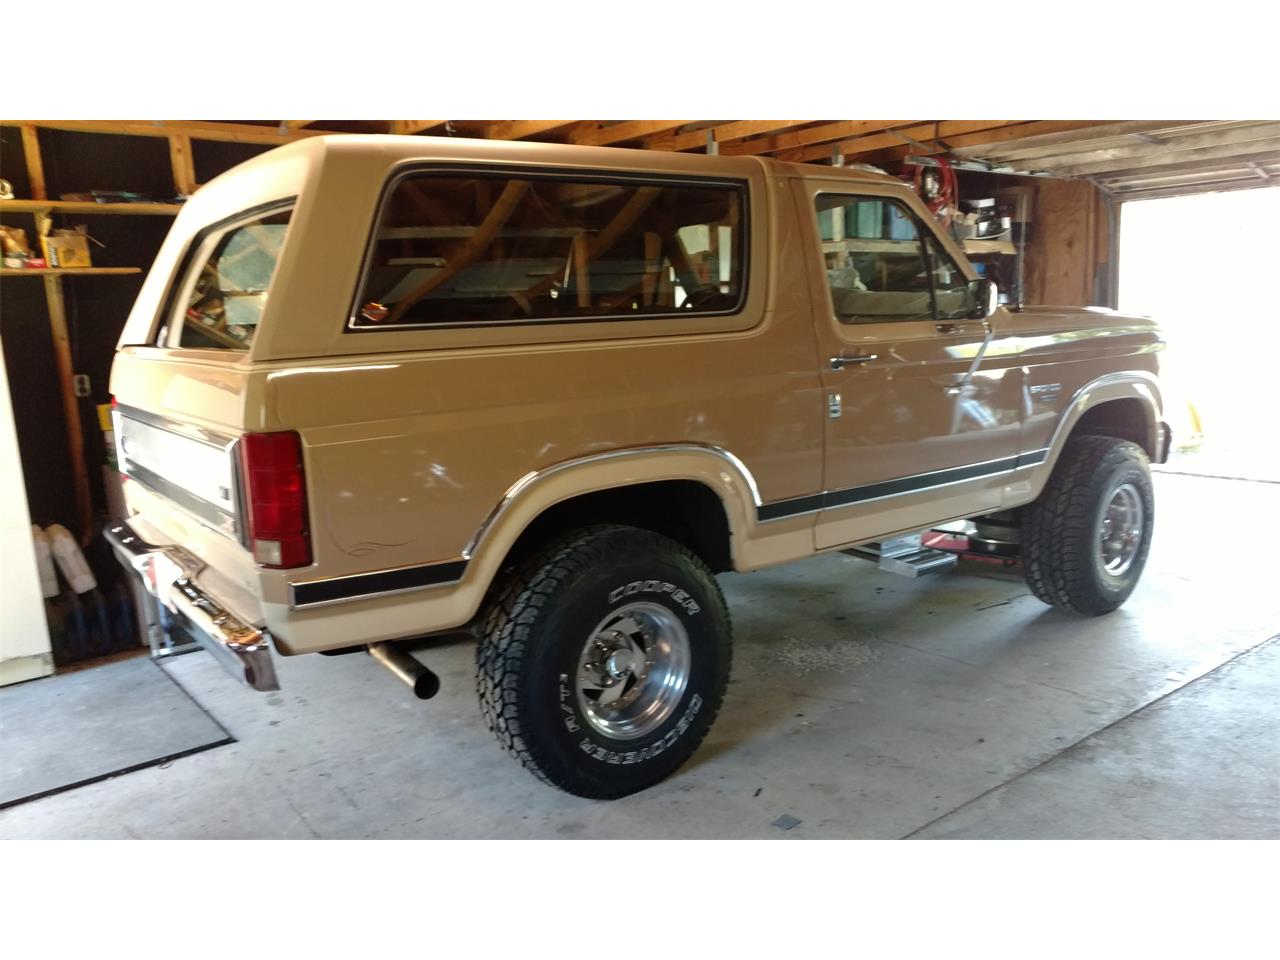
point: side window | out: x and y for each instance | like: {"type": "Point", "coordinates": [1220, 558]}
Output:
{"type": "Point", "coordinates": [223, 298]}
{"type": "Point", "coordinates": [875, 261]}
{"type": "Point", "coordinates": [481, 249]}
{"type": "Point", "coordinates": [951, 290]}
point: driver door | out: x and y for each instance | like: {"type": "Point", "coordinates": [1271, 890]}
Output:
{"type": "Point", "coordinates": [916, 432]}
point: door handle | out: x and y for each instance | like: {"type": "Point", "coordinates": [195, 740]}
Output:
{"type": "Point", "coordinates": [842, 361]}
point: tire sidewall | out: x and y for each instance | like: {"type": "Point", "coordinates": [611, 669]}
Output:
{"type": "Point", "coordinates": [549, 695]}
{"type": "Point", "coordinates": [1112, 589]}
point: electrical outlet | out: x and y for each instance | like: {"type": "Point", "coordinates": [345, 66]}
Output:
{"type": "Point", "coordinates": [81, 382]}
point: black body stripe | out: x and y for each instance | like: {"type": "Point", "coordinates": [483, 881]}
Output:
{"type": "Point", "coordinates": [385, 581]}
{"type": "Point", "coordinates": [789, 508]}
{"type": "Point", "coordinates": [893, 488]}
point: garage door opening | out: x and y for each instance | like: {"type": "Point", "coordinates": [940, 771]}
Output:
{"type": "Point", "coordinates": [1205, 267]}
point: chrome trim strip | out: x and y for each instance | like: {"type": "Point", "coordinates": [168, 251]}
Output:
{"type": "Point", "coordinates": [534, 475]}
{"type": "Point", "coordinates": [244, 651]}
{"type": "Point", "coordinates": [218, 519]}
{"type": "Point", "coordinates": [498, 169]}
{"type": "Point", "coordinates": [1141, 377]}
{"type": "Point", "coordinates": [189, 430]}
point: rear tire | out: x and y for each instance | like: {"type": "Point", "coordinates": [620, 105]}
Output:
{"type": "Point", "coordinates": [604, 659]}
{"type": "Point", "coordinates": [1085, 540]}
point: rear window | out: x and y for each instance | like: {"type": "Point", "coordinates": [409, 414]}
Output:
{"type": "Point", "coordinates": [481, 249]}
{"type": "Point", "coordinates": [226, 292]}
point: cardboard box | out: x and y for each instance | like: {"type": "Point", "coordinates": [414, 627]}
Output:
{"type": "Point", "coordinates": [66, 249]}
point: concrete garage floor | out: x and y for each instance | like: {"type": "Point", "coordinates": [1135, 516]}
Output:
{"type": "Point", "coordinates": [863, 705]}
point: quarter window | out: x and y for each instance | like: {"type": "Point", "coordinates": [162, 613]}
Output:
{"type": "Point", "coordinates": [226, 296]}
{"type": "Point", "coordinates": [482, 249]}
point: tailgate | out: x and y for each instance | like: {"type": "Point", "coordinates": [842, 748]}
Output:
{"type": "Point", "coordinates": [191, 467]}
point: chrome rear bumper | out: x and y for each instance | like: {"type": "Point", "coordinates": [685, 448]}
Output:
{"type": "Point", "coordinates": [168, 574]}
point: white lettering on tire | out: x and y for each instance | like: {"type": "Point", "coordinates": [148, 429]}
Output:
{"type": "Point", "coordinates": [681, 598]}
{"type": "Point", "coordinates": [593, 749]}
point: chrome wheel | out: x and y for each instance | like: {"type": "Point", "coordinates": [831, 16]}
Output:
{"type": "Point", "coordinates": [1122, 530]}
{"type": "Point", "coordinates": [633, 670]}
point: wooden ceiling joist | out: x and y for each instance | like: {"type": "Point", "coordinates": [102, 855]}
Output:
{"type": "Point", "coordinates": [1170, 161]}
{"type": "Point", "coordinates": [597, 134]}
{"type": "Point", "coordinates": [519, 129]}
{"type": "Point", "coordinates": [920, 132]}
{"type": "Point", "coordinates": [822, 133]}
{"type": "Point", "coordinates": [1169, 147]}
{"type": "Point", "coordinates": [723, 132]}
{"type": "Point", "coordinates": [952, 138]}
{"type": "Point", "coordinates": [405, 128]}
{"type": "Point", "coordinates": [1044, 145]}
{"type": "Point", "coordinates": [196, 129]}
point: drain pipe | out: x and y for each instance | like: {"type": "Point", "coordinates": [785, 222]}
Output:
{"type": "Point", "coordinates": [424, 682]}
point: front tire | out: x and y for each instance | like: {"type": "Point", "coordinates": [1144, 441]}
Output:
{"type": "Point", "coordinates": [1085, 540]}
{"type": "Point", "coordinates": [604, 660]}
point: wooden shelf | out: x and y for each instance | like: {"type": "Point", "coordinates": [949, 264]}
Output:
{"type": "Point", "coordinates": [854, 245]}
{"type": "Point", "coordinates": [88, 207]}
{"type": "Point", "coordinates": [990, 246]}
{"type": "Point", "coordinates": [68, 271]}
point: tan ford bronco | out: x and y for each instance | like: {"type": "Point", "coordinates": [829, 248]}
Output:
{"type": "Point", "coordinates": [379, 388]}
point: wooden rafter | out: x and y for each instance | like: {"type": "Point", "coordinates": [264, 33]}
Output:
{"type": "Point", "coordinates": [404, 128]}
{"type": "Point", "coordinates": [196, 129]}
{"type": "Point", "coordinates": [519, 129]}
{"type": "Point", "coordinates": [1169, 150]}
{"type": "Point", "coordinates": [928, 132]}
{"type": "Point", "coordinates": [725, 132]}
{"type": "Point", "coordinates": [823, 133]}
{"type": "Point", "coordinates": [297, 124]}
{"type": "Point", "coordinates": [1050, 144]}
{"type": "Point", "coordinates": [599, 134]}
{"type": "Point", "coordinates": [987, 138]}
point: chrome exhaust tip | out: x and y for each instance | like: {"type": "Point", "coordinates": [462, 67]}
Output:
{"type": "Point", "coordinates": [424, 682]}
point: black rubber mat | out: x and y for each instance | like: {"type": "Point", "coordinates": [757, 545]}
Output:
{"type": "Point", "coordinates": [64, 732]}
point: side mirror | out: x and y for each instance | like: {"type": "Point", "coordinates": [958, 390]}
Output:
{"type": "Point", "coordinates": [985, 297]}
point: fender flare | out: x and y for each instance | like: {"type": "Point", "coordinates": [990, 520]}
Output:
{"type": "Point", "coordinates": [1127, 385]}
{"type": "Point", "coordinates": [539, 490]}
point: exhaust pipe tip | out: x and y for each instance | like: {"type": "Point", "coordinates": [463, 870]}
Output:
{"type": "Point", "coordinates": [423, 681]}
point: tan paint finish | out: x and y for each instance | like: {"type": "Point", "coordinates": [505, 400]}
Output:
{"type": "Point", "coordinates": [428, 446]}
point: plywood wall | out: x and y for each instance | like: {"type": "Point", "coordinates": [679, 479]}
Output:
{"type": "Point", "coordinates": [1069, 251]}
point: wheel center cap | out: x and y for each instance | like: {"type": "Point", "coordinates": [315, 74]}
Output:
{"type": "Point", "coordinates": [619, 664]}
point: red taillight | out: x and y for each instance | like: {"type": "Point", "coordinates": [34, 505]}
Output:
{"type": "Point", "coordinates": [277, 499]}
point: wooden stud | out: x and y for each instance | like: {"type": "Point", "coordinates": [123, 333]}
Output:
{"type": "Point", "coordinates": [183, 164]}
{"type": "Point", "coordinates": [35, 165]}
{"type": "Point", "coordinates": [70, 402]}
